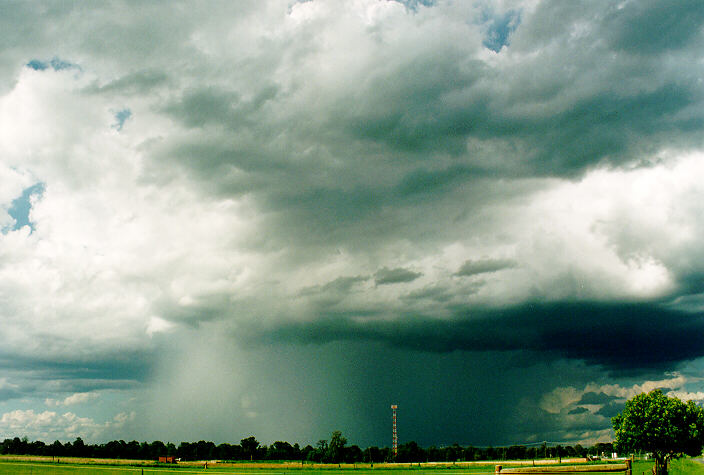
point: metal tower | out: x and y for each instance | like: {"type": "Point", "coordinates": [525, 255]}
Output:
{"type": "Point", "coordinates": [394, 443]}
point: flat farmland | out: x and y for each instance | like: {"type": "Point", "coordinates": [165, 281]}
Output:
{"type": "Point", "coordinates": [43, 468]}
{"type": "Point", "coordinates": [67, 466]}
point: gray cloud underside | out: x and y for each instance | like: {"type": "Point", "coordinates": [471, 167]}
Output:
{"type": "Point", "coordinates": [611, 409]}
{"type": "Point", "coordinates": [596, 398]}
{"type": "Point", "coordinates": [620, 337]}
{"type": "Point", "coordinates": [36, 376]}
{"type": "Point", "coordinates": [484, 265]}
{"type": "Point", "coordinates": [610, 126]}
{"type": "Point", "coordinates": [131, 365]}
{"type": "Point", "coordinates": [554, 427]}
{"type": "Point", "coordinates": [395, 276]}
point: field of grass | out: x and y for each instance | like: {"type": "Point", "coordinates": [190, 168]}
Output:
{"type": "Point", "coordinates": [685, 466]}
{"type": "Point", "coordinates": [643, 467]}
{"type": "Point", "coordinates": [33, 468]}
{"type": "Point", "coordinates": [44, 466]}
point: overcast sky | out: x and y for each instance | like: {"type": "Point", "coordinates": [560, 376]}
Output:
{"type": "Point", "coordinates": [278, 218]}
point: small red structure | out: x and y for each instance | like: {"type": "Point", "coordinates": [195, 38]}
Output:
{"type": "Point", "coordinates": [167, 459]}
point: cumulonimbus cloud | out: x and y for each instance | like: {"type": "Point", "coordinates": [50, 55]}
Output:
{"type": "Point", "coordinates": [438, 177]}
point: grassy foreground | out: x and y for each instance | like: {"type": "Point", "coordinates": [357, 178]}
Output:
{"type": "Point", "coordinates": [45, 466]}
{"type": "Point", "coordinates": [685, 466]}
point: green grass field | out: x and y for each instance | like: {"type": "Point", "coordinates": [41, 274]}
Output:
{"type": "Point", "coordinates": [23, 467]}
{"type": "Point", "coordinates": [685, 466]}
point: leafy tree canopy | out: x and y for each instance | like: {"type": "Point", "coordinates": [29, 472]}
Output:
{"type": "Point", "coordinates": [249, 446]}
{"type": "Point", "coordinates": [662, 425]}
{"type": "Point", "coordinates": [336, 447]}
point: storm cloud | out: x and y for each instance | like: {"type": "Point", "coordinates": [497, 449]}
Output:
{"type": "Point", "coordinates": [265, 192]}
{"type": "Point", "coordinates": [484, 265]}
{"type": "Point", "coordinates": [621, 337]}
{"type": "Point", "coordinates": [395, 276]}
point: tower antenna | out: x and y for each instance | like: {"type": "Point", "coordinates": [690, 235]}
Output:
{"type": "Point", "coordinates": [394, 443]}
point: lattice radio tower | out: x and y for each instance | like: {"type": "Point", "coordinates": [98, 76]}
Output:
{"type": "Point", "coordinates": [394, 443]}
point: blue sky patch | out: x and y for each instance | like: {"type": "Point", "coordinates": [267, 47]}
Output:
{"type": "Point", "coordinates": [37, 65]}
{"type": "Point", "coordinates": [19, 210]}
{"type": "Point", "coordinates": [55, 63]}
{"type": "Point", "coordinates": [121, 117]}
{"type": "Point", "coordinates": [59, 64]}
{"type": "Point", "coordinates": [413, 4]}
{"type": "Point", "coordinates": [499, 29]}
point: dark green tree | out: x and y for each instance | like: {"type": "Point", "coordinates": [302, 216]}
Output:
{"type": "Point", "coordinates": [249, 446]}
{"type": "Point", "coordinates": [308, 453]}
{"type": "Point", "coordinates": [56, 448]}
{"type": "Point", "coordinates": [372, 455]}
{"type": "Point", "coordinates": [353, 454]}
{"type": "Point", "coordinates": [336, 447]}
{"type": "Point", "coordinates": [321, 451]}
{"type": "Point", "coordinates": [411, 452]}
{"type": "Point", "coordinates": [664, 426]}
{"type": "Point", "coordinates": [157, 449]}
{"type": "Point", "coordinates": [170, 449]}
{"type": "Point", "coordinates": [580, 451]}
{"type": "Point", "coordinates": [79, 448]}
{"type": "Point", "coordinates": [516, 452]}
{"type": "Point", "coordinates": [281, 450]}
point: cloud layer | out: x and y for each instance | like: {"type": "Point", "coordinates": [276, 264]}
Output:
{"type": "Point", "coordinates": [430, 180]}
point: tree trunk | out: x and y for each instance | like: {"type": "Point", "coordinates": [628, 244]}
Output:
{"type": "Point", "coordinates": [660, 466]}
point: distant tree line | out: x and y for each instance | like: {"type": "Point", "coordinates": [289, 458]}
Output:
{"type": "Point", "coordinates": [334, 450]}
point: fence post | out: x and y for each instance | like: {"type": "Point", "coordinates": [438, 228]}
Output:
{"type": "Point", "coordinates": [629, 470]}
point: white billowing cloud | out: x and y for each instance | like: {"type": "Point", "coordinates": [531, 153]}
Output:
{"type": "Point", "coordinates": [157, 325]}
{"type": "Point", "coordinates": [49, 425]}
{"type": "Point", "coordinates": [613, 234]}
{"type": "Point", "coordinates": [111, 239]}
{"type": "Point", "coordinates": [559, 398]}
{"type": "Point", "coordinates": [29, 419]}
{"type": "Point", "coordinates": [77, 398]}
{"type": "Point", "coordinates": [564, 398]}
{"type": "Point", "coordinates": [108, 246]}
{"type": "Point", "coordinates": [697, 396]}
{"type": "Point", "coordinates": [674, 381]}
{"type": "Point", "coordinates": [574, 413]}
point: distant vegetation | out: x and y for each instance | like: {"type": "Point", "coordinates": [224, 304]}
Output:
{"type": "Point", "coordinates": [334, 450]}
